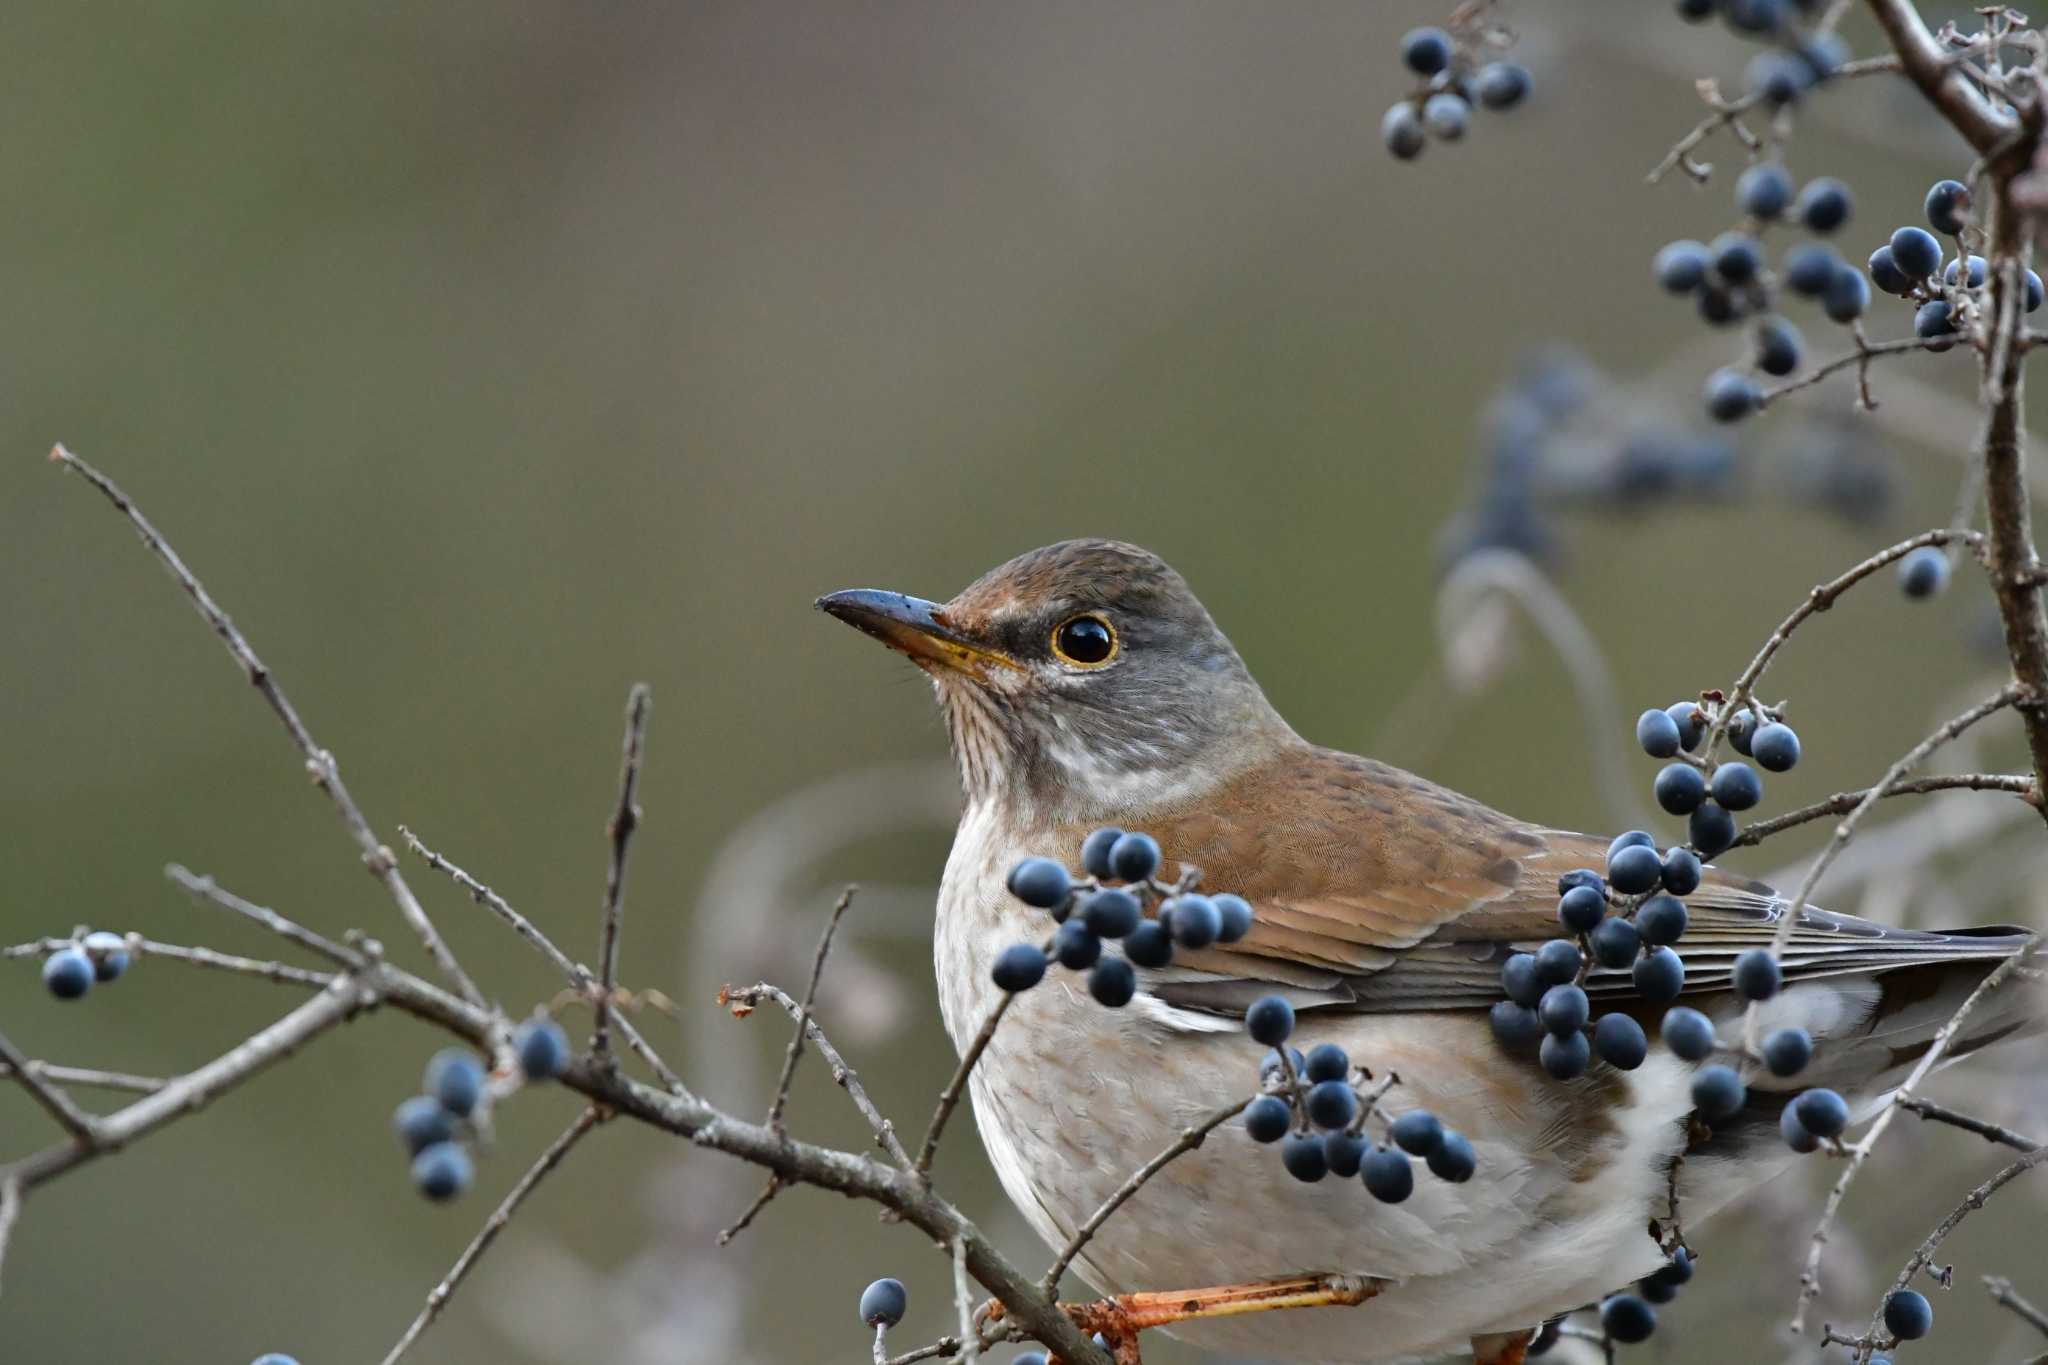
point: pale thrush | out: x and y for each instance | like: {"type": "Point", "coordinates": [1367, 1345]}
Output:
{"type": "Point", "coordinates": [1084, 685]}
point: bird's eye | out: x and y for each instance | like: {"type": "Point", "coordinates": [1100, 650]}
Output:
{"type": "Point", "coordinates": [1084, 640]}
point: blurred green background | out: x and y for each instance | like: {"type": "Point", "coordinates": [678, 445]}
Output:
{"type": "Point", "coordinates": [484, 358]}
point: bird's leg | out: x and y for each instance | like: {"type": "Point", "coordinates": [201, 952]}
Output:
{"type": "Point", "coordinates": [1501, 1348]}
{"type": "Point", "coordinates": [1121, 1318]}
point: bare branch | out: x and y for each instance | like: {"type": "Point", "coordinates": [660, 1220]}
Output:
{"type": "Point", "coordinates": [1983, 1128]}
{"type": "Point", "coordinates": [1940, 79]}
{"type": "Point", "coordinates": [1923, 1255]}
{"type": "Point", "coordinates": [842, 1075]}
{"type": "Point", "coordinates": [206, 889]}
{"type": "Point", "coordinates": [69, 1116]}
{"type": "Point", "coordinates": [2018, 784]}
{"type": "Point", "coordinates": [957, 1086]}
{"type": "Point", "coordinates": [1859, 358]}
{"type": "Point", "coordinates": [803, 1014]}
{"type": "Point", "coordinates": [89, 1076]}
{"type": "Point", "coordinates": [281, 972]}
{"type": "Point", "coordinates": [2005, 1296]}
{"type": "Point", "coordinates": [625, 820]}
{"type": "Point", "coordinates": [10, 1210]}
{"type": "Point", "coordinates": [740, 1224]}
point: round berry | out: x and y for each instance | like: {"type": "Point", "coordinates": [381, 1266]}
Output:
{"type": "Point", "coordinates": [1718, 307]}
{"type": "Point", "coordinates": [1558, 962]}
{"type": "Point", "coordinates": [1949, 272]}
{"type": "Point", "coordinates": [1418, 1132]}
{"type": "Point", "coordinates": [1331, 1104]}
{"type": "Point", "coordinates": [1303, 1156]}
{"type": "Point", "coordinates": [1345, 1152]}
{"type": "Point", "coordinates": [1794, 1133]}
{"type": "Point", "coordinates": [1636, 838]}
{"type": "Point", "coordinates": [1564, 1009]}
{"type": "Point", "coordinates": [1388, 1175]}
{"type": "Point", "coordinates": [1779, 78]}
{"type": "Point", "coordinates": [1697, 11]}
{"type": "Point", "coordinates": [442, 1171]}
{"type": "Point", "coordinates": [1756, 974]}
{"type": "Point", "coordinates": [1731, 395]}
{"type": "Point", "coordinates": [1786, 1051]}
{"type": "Point", "coordinates": [1778, 346]}
{"type": "Point", "coordinates": [1095, 851]}
{"type": "Point", "coordinates": [1677, 1271]}
{"type": "Point", "coordinates": [67, 973]}
{"type": "Point", "coordinates": [273, 1358]}
{"type": "Point", "coordinates": [1763, 191]}
{"type": "Point", "coordinates": [1824, 54]}
{"type": "Point", "coordinates": [1270, 1020]}
{"type": "Point", "coordinates": [1847, 295]}
{"type": "Point", "coordinates": [1326, 1062]}
{"type": "Point", "coordinates": [1948, 207]}
{"type": "Point", "coordinates": [1659, 976]}
{"type": "Point", "coordinates": [1076, 946]}
{"type": "Point", "coordinates": [456, 1079]}
{"type": "Point", "coordinates": [1924, 572]}
{"type": "Point", "coordinates": [1234, 917]}
{"type": "Point", "coordinates": [1445, 115]}
{"type": "Point", "coordinates": [1915, 253]}
{"type": "Point", "coordinates": [1907, 1314]}
{"type": "Point", "coordinates": [1688, 1033]}
{"type": "Point", "coordinates": [1580, 876]}
{"type": "Point", "coordinates": [2033, 283]}
{"type": "Point", "coordinates": [420, 1122]}
{"type": "Point", "coordinates": [1268, 1118]}
{"type": "Point", "coordinates": [1821, 1112]}
{"type": "Point", "coordinates": [1681, 874]}
{"type": "Point", "coordinates": [109, 954]}
{"type": "Point", "coordinates": [541, 1047]}
{"type": "Point", "coordinates": [1402, 133]}
{"type": "Point", "coordinates": [1275, 1064]}
{"type": "Point", "coordinates": [1134, 857]}
{"type": "Point", "coordinates": [1717, 1092]}
{"type": "Point", "coordinates": [1581, 909]}
{"type": "Point", "coordinates": [1515, 1026]}
{"type": "Point", "coordinates": [1809, 268]}
{"type": "Point", "coordinates": [1453, 1160]}
{"type": "Point", "coordinates": [1523, 980]}
{"type": "Point", "coordinates": [1112, 912]}
{"type": "Point", "coordinates": [1824, 204]}
{"type": "Point", "coordinates": [1692, 726]}
{"type": "Point", "coordinates": [1738, 258]}
{"type": "Point", "coordinates": [1635, 869]}
{"type": "Point", "coordinates": [1195, 920]}
{"type": "Point", "coordinates": [1656, 731]}
{"type": "Point", "coordinates": [1932, 321]}
{"type": "Point", "coordinates": [1711, 829]}
{"type": "Point", "coordinates": [1018, 967]}
{"type": "Point", "coordinates": [1741, 729]}
{"type": "Point", "coordinates": [1627, 1318]}
{"type": "Point", "coordinates": [1679, 789]}
{"type": "Point", "coordinates": [1886, 274]}
{"type": "Point", "coordinates": [1565, 1057]}
{"type": "Point", "coordinates": [1112, 982]}
{"type": "Point", "coordinates": [1661, 919]}
{"type": "Point", "coordinates": [1653, 1290]}
{"type": "Point", "coordinates": [1501, 85]}
{"type": "Point", "coordinates": [1620, 1041]}
{"type": "Point", "coordinates": [1149, 945]}
{"type": "Point", "coordinates": [883, 1303]}
{"type": "Point", "coordinates": [1615, 943]}
{"type": "Point", "coordinates": [1775, 748]}
{"type": "Point", "coordinates": [1736, 786]}
{"type": "Point", "coordinates": [1029, 1358]}
{"type": "Point", "coordinates": [1426, 51]}
{"type": "Point", "coordinates": [1040, 883]}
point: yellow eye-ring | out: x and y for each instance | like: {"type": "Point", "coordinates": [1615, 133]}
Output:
{"type": "Point", "coordinates": [1085, 641]}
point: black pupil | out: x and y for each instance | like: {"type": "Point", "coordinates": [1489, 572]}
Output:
{"type": "Point", "coordinates": [1085, 640]}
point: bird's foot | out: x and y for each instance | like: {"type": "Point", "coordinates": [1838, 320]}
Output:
{"type": "Point", "coordinates": [1501, 1348]}
{"type": "Point", "coordinates": [1120, 1319]}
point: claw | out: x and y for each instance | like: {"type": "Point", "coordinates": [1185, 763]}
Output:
{"type": "Point", "coordinates": [1119, 1320]}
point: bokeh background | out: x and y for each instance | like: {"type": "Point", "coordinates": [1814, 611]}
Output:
{"type": "Point", "coordinates": [484, 358]}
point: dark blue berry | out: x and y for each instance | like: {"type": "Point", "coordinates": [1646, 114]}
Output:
{"type": "Point", "coordinates": [1112, 982]}
{"type": "Point", "coordinates": [442, 1171]}
{"type": "Point", "coordinates": [1779, 78]}
{"type": "Point", "coordinates": [1095, 851]}
{"type": "Point", "coordinates": [542, 1048]}
{"type": "Point", "coordinates": [1717, 1092]}
{"type": "Point", "coordinates": [1303, 1156]}
{"type": "Point", "coordinates": [1418, 1132]}
{"type": "Point", "coordinates": [1948, 207]}
{"type": "Point", "coordinates": [1656, 731]}
{"type": "Point", "coordinates": [1581, 909]}
{"type": "Point", "coordinates": [1809, 268]}
{"type": "Point", "coordinates": [1786, 1051]}
{"type": "Point", "coordinates": [1426, 51]}
{"type": "Point", "coordinates": [1886, 274]}
{"type": "Point", "coordinates": [1847, 295]}
{"type": "Point", "coordinates": [1824, 54]}
{"type": "Point", "coordinates": [1031, 1358]}
{"type": "Point", "coordinates": [1741, 729]}
{"type": "Point", "coordinates": [1580, 876]}
{"type": "Point", "coordinates": [1389, 1176]}
{"type": "Point", "coordinates": [1907, 1314]}
{"type": "Point", "coordinates": [1711, 829]}
{"type": "Point", "coordinates": [1270, 1069]}
{"type": "Point", "coordinates": [1523, 980]}
{"type": "Point", "coordinates": [1653, 1290]}
{"type": "Point", "coordinates": [1932, 321]}
{"type": "Point", "coordinates": [1778, 346]}
{"type": "Point", "coordinates": [2033, 283]}
{"type": "Point", "coordinates": [456, 1079]}
{"type": "Point", "coordinates": [1076, 946]}
{"type": "Point", "coordinates": [1270, 1020]}
{"type": "Point", "coordinates": [1620, 1041]}
{"type": "Point", "coordinates": [1327, 1062]}
{"type": "Point", "coordinates": [1345, 1152]}
{"type": "Point", "coordinates": [109, 954]}
{"type": "Point", "coordinates": [1635, 869]}
{"type": "Point", "coordinates": [1697, 11]}
{"type": "Point", "coordinates": [273, 1358]}
{"type": "Point", "coordinates": [1824, 204]}
{"type": "Point", "coordinates": [1661, 919]}
{"type": "Point", "coordinates": [1453, 1160]}
{"type": "Point", "coordinates": [1112, 912]}
{"type": "Point", "coordinates": [1754, 16]}
{"type": "Point", "coordinates": [1134, 857]}
{"type": "Point", "coordinates": [1915, 252]}
{"type": "Point", "coordinates": [1776, 747]}
{"type": "Point", "coordinates": [1195, 920]}
{"type": "Point", "coordinates": [1794, 1133]}
{"type": "Point", "coordinates": [883, 1303]}
{"type": "Point", "coordinates": [1615, 943]}
{"type": "Point", "coordinates": [1268, 1118]}
{"type": "Point", "coordinates": [1763, 191]}
{"type": "Point", "coordinates": [1149, 945]}
{"type": "Point", "coordinates": [1501, 85]}
{"type": "Point", "coordinates": [1234, 915]}
{"type": "Point", "coordinates": [1564, 1009]}
{"type": "Point", "coordinates": [1402, 133]}
{"type": "Point", "coordinates": [1040, 883]}
{"type": "Point", "coordinates": [1565, 1057]}
{"type": "Point", "coordinates": [1736, 786]}
{"type": "Point", "coordinates": [1679, 789]}
{"type": "Point", "coordinates": [1446, 116]}
{"type": "Point", "coordinates": [1756, 974]}
{"type": "Point", "coordinates": [1718, 307]}
{"type": "Point", "coordinates": [1924, 572]}
{"type": "Point", "coordinates": [1688, 1033]}
{"type": "Point", "coordinates": [1659, 976]}
{"type": "Point", "coordinates": [1731, 395]}
{"type": "Point", "coordinates": [1949, 272]}
{"type": "Point", "coordinates": [1636, 837]}
{"type": "Point", "coordinates": [1515, 1026]}
{"type": "Point", "coordinates": [1821, 1112]}
{"type": "Point", "coordinates": [1558, 962]}
{"type": "Point", "coordinates": [1018, 967]}
{"type": "Point", "coordinates": [1331, 1104]}
{"type": "Point", "coordinates": [1676, 1271]}
{"type": "Point", "coordinates": [1681, 873]}
{"type": "Point", "coordinates": [420, 1122]}
{"type": "Point", "coordinates": [67, 973]}
{"type": "Point", "coordinates": [1627, 1318]}
{"type": "Point", "coordinates": [1738, 258]}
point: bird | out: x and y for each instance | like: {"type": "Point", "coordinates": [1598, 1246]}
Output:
{"type": "Point", "coordinates": [1084, 685]}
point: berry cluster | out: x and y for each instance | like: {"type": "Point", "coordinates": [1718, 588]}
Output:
{"type": "Point", "coordinates": [1455, 75]}
{"type": "Point", "coordinates": [69, 972]}
{"type": "Point", "coordinates": [1628, 1316]}
{"type": "Point", "coordinates": [1945, 298]}
{"type": "Point", "coordinates": [1146, 917]}
{"type": "Point", "coordinates": [1801, 55]}
{"type": "Point", "coordinates": [434, 1126]}
{"type": "Point", "coordinates": [1318, 1107]}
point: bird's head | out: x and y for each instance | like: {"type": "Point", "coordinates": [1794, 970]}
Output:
{"type": "Point", "coordinates": [1080, 679]}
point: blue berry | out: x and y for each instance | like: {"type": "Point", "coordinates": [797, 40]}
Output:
{"type": "Point", "coordinates": [1270, 1068]}
{"type": "Point", "coordinates": [1924, 572]}
{"type": "Point", "coordinates": [420, 1122]}
{"type": "Point", "coordinates": [1426, 51]}
{"type": "Point", "coordinates": [1636, 838]}
{"type": "Point", "coordinates": [273, 1358]}
{"type": "Point", "coordinates": [1566, 1056]}
{"type": "Point", "coordinates": [456, 1079]}
{"type": "Point", "coordinates": [1659, 976]}
{"type": "Point", "coordinates": [1620, 1041]}
{"type": "Point", "coordinates": [1776, 747]}
{"type": "Point", "coordinates": [1112, 912]}
{"type": "Point", "coordinates": [1821, 1112]}
{"type": "Point", "coordinates": [1809, 268]}
{"type": "Point", "coordinates": [109, 954]}
{"type": "Point", "coordinates": [1076, 946]}
{"type": "Point", "coordinates": [883, 1303]}
{"type": "Point", "coordinates": [1656, 731]}
{"type": "Point", "coordinates": [1681, 871]}
{"type": "Point", "coordinates": [1402, 133]}
{"type": "Point", "coordinates": [1763, 191]}
{"type": "Point", "coordinates": [1418, 1132]}
{"type": "Point", "coordinates": [67, 973]}
{"type": "Point", "coordinates": [1501, 85]}
{"type": "Point", "coordinates": [1303, 1156]}
{"type": "Point", "coordinates": [1824, 54]}
{"type": "Point", "coordinates": [1718, 307]}
{"type": "Point", "coordinates": [1741, 729]}
{"type": "Point", "coordinates": [1915, 253]}
{"type": "Point", "coordinates": [1778, 346]}
{"type": "Point", "coordinates": [1786, 1051]}
{"type": "Point", "coordinates": [1269, 1020]}
{"type": "Point", "coordinates": [1445, 115]}
{"type": "Point", "coordinates": [1615, 943]}
{"type": "Point", "coordinates": [1688, 1033]}
{"type": "Point", "coordinates": [1040, 883]}
{"type": "Point", "coordinates": [1661, 919]}
{"type": "Point", "coordinates": [1558, 962]}
{"type": "Point", "coordinates": [1327, 1062]}
{"type": "Point", "coordinates": [1331, 1104]}
{"type": "Point", "coordinates": [1453, 1160]}
{"type": "Point", "coordinates": [1948, 207]}
{"type": "Point", "coordinates": [1345, 1152]}
{"type": "Point", "coordinates": [442, 1171]}
{"type": "Point", "coordinates": [1653, 1290]}
{"type": "Point", "coordinates": [1581, 909]}
{"type": "Point", "coordinates": [1195, 921]}
{"type": "Point", "coordinates": [1679, 789]}
{"type": "Point", "coordinates": [1731, 395]}
{"type": "Point", "coordinates": [1824, 204]}
{"type": "Point", "coordinates": [1095, 851]}
{"type": "Point", "coordinates": [1681, 266]}
{"type": "Point", "coordinates": [1030, 1358]}
{"type": "Point", "coordinates": [1779, 78]}
{"type": "Point", "coordinates": [542, 1048]}
{"type": "Point", "coordinates": [1580, 876]}
{"type": "Point", "coordinates": [1847, 295]}
{"type": "Point", "coordinates": [1736, 786]}
{"type": "Point", "coordinates": [1717, 1092]}
{"type": "Point", "coordinates": [1627, 1318]}
{"type": "Point", "coordinates": [1676, 1271]}
{"type": "Point", "coordinates": [1018, 967]}
{"type": "Point", "coordinates": [1794, 1134]}
{"type": "Point", "coordinates": [1149, 945]}
{"type": "Point", "coordinates": [1738, 258]}
{"type": "Point", "coordinates": [1267, 1118]}
{"type": "Point", "coordinates": [1523, 980]}
{"type": "Point", "coordinates": [1635, 869]}
{"type": "Point", "coordinates": [1886, 274]}
{"type": "Point", "coordinates": [1515, 1026]}
{"type": "Point", "coordinates": [1932, 321]}
{"type": "Point", "coordinates": [1134, 857]}
{"type": "Point", "coordinates": [1564, 1009]}
{"type": "Point", "coordinates": [1711, 829]}
{"type": "Point", "coordinates": [1388, 1175]}
{"type": "Point", "coordinates": [1234, 914]}
{"type": "Point", "coordinates": [1907, 1315]}
{"type": "Point", "coordinates": [1692, 727]}
{"type": "Point", "coordinates": [2033, 283]}
{"type": "Point", "coordinates": [1949, 273]}
{"type": "Point", "coordinates": [1697, 11]}
{"type": "Point", "coordinates": [1756, 974]}
{"type": "Point", "coordinates": [1112, 982]}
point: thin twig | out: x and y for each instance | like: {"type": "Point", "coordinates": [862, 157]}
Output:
{"type": "Point", "coordinates": [69, 1116]}
{"type": "Point", "coordinates": [319, 762]}
{"type": "Point", "coordinates": [282, 972]}
{"type": "Point", "coordinates": [1728, 112]}
{"type": "Point", "coordinates": [1923, 1255]}
{"type": "Point", "coordinates": [89, 1076]}
{"type": "Point", "coordinates": [10, 1210]}
{"type": "Point", "coordinates": [1939, 78]}
{"type": "Point", "coordinates": [1189, 1139]}
{"type": "Point", "coordinates": [438, 1297]}
{"type": "Point", "coordinates": [963, 1301]}
{"type": "Point", "coordinates": [950, 1096]}
{"type": "Point", "coordinates": [1860, 357]}
{"type": "Point", "coordinates": [2018, 784]}
{"type": "Point", "coordinates": [740, 1224]}
{"type": "Point", "coordinates": [843, 1075]}
{"type": "Point", "coordinates": [625, 819]}
{"type": "Point", "coordinates": [803, 1014]}
{"type": "Point", "coordinates": [2005, 1296]}
{"type": "Point", "coordinates": [1983, 1128]}
{"type": "Point", "coordinates": [944, 1346]}
{"type": "Point", "coordinates": [207, 889]}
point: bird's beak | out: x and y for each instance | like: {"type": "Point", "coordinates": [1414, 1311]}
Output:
{"type": "Point", "coordinates": [916, 628]}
